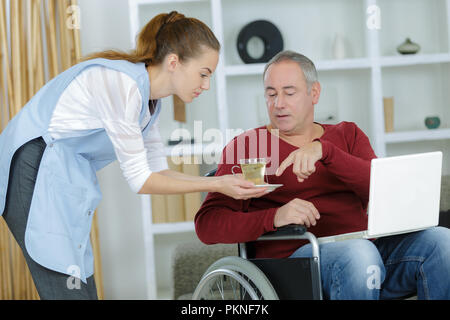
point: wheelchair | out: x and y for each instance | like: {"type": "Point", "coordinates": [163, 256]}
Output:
{"type": "Point", "coordinates": [246, 278]}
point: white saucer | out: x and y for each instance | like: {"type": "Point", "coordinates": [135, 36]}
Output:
{"type": "Point", "coordinates": [270, 187]}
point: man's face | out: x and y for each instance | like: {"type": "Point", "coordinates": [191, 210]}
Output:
{"type": "Point", "coordinates": [290, 107]}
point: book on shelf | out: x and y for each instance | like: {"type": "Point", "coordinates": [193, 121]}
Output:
{"type": "Point", "coordinates": [388, 103]}
{"type": "Point", "coordinates": [174, 202]}
{"type": "Point", "coordinates": [192, 201]}
{"type": "Point", "coordinates": [179, 207]}
{"type": "Point", "coordinates": [158, 208]}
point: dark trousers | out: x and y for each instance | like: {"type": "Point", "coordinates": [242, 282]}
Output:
{"type": "Point", "coordinates": [22, 178]}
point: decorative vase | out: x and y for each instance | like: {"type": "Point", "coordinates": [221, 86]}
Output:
{"type": "Point", "coordinates": [408, 47]}
{"type": "Point", "coordinates": [432, 122]}
{"type": "Point", "coordinates": [339, 47]}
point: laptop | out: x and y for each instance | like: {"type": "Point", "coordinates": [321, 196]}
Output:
{"type": "Point", "coordinates": [404, 196]}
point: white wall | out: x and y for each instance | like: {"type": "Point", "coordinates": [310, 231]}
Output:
{"type": "Point", "coordinates": [104, 25]}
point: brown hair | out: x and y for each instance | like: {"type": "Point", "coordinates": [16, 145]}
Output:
{"type": "Point", "coordinates": [166, 33]}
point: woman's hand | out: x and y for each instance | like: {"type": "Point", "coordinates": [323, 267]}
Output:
{"type": "Point", "coordinates": [304, 160]}
{"type": "Point", "coordinates": [235, 186]}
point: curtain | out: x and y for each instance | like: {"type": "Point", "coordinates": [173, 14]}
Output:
{"type": "Point", "coordinates": [38, 40]}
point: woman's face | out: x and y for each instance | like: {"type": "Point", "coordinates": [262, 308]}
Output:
{"type": "Point", "coordinates": [192, 77]}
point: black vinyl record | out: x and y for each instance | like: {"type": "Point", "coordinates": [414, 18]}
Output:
{"type": "Point", "coordinates": [268, 33]}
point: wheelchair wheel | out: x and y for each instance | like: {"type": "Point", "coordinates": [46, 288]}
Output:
{"type": "Point", "coordinates": [234, 278]}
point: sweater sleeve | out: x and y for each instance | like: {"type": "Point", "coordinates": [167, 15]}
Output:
{"type": "Point", "coordinates": [222, 219]}
{"type": "Point", "coordinates": [351, 166]}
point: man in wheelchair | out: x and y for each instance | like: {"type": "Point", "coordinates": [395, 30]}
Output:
{"type": "Point", "coordinates": [326, 190]}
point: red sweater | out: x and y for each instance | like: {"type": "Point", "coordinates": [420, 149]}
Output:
{"type": "Point", "coordinates": [339, 189]}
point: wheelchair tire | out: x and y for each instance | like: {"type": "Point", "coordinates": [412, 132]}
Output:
{"type": "Point", "coordinates": [247, 275]}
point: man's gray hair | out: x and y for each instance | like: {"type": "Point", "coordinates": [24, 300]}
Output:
{"type": "Point", "coordinates": [307, 66]}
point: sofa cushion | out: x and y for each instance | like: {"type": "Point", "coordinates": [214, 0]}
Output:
{"type": "Point", "coordinates": [445, 193]}
{"type": "Point", "coordinates": [190, 262]}
{"type": "Point", "coordinates": [444, 219]}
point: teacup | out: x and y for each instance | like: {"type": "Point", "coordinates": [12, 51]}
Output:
{"type": "Point", "coordinates": [254, 169]}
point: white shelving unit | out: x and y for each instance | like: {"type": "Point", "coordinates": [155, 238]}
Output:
{"type": "Point", "coordinates": [418, 135]}
{"type": "Point", "coordinates": [167, 228]}
{"type": "Point", "coordinates": [324, 65]}
{"type": "Point", "coordinates": [353, 88]}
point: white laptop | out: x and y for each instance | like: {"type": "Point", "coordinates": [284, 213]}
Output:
{"type": "Point", "coordinates": [404, 196]}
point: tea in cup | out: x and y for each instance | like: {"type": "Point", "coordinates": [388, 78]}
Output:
{"type": "Point", "coordinates": [254, 170]}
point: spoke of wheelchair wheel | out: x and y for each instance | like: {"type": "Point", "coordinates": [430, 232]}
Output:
{"type": "Point", "coordinates": [214, 293]}
{"type": "Point", "coordinates": [222, 291]}
{"type": "Point", "coordinates": [233, 288]}
{"type": "Point", "coordinates": [211, 292]}
{"type": "Point", "coordinates": [218, 287]}
{"type": "Point", "coordinates": [243, 292]}
{"type": "Point", "coordinates": [255, 288]}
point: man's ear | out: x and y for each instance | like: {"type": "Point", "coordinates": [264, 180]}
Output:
{"type": "Point", "coordinates": [172, 61]}
{"type": "Point", "coordinates": [315, 92]}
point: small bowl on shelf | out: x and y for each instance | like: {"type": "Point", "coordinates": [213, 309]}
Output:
{"type": "Point", "coordinates": [408, 47]}
{"type": "Point", "coordinates": [432, 122]}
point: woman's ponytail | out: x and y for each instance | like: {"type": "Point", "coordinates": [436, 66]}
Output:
{"type": "Point", "coordinates": [166, 33]}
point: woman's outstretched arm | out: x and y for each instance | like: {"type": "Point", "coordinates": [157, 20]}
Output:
{"type": "Point", "coordinates": [171, 182]}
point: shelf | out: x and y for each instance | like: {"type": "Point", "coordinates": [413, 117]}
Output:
{"type": "Point", "coordinates": [344, 64]}
{"type": "Point", "coordinates": [324, 65]}
{"type": "Point", "coordinates": [245, 69]}
{"type": "Point", "coordinates": [420, 135]}
{"type": "Point", "coordinates": [173, 227]}
{"type": "Point", "coordinates": [396, 61]}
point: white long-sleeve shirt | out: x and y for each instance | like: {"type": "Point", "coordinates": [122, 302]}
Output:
{"type": "Point", "coordinates": [104, 98]}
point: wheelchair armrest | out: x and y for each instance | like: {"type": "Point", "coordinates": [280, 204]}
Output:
{"type": "Point", "coordinates": [211, 173]}
{"type": "Point", "coordinates": [291, 232]}
{"type": "Point", "coordinates": [286, 231]}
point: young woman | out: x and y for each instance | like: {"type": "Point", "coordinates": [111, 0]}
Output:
{"type": "Point", "coordinates": [102, 109]}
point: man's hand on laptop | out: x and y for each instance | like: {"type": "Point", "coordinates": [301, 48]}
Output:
{"type": "Point", "coordinates": [296, 211]}
{"type": "Point", "coordinates": [304, 160]}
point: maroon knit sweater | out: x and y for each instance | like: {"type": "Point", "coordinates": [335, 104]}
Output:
{"type": "Point", "coordinates": [339, 189]}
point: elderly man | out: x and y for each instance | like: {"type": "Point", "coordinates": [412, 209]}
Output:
{"type": "Point", "coordinates": [327, 190]}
